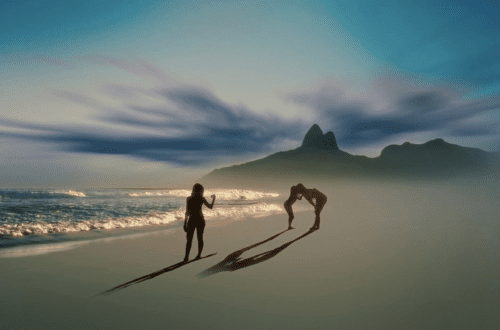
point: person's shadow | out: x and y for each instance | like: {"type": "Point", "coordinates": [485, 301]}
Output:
{"type": "Point", "coordinates": [152, 275]}
{"type": "Point", "coordinates": [232, 262]}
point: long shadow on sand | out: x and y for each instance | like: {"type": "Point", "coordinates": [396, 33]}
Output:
{"type": "Point", "coordinates": [232, 262]}
{"type": "Point", "coordinates": [150, 276]}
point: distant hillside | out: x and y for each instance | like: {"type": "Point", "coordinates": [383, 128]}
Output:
{"type": "Point", "coordinates": [320, 158]}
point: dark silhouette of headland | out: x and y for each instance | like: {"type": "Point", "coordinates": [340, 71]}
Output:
{"type": "Point", "coordinates": [319, 158]}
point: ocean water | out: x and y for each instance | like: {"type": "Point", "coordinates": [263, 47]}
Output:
{"type": "Point", "coordinates": [31, 216]}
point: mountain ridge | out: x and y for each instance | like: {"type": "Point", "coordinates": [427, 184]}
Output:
{"type": "Point", "coordinates": [320, 158]}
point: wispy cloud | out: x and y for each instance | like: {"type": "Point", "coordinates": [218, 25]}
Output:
{"type": "Point", "coordinates": [187, 124]}
{"type": "Point", "coordinates": [177, 123]}
{"type": "Point", "coordinates": [138, 67]}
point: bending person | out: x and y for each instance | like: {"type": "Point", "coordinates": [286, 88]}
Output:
{"type": "Point", "coordinates": [289, 202]}
{"type": "Point", "coordinates": [194, 218]}
{"type": "Point", "coordinates": [309, 195]}
{"type": "Point", "coordinates": [299, 191]}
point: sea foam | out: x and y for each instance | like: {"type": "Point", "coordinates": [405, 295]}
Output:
{"type": "Point", "coordinates": [221, 194]}
{"type": "Point", "coordinates": [221, 212]}
{"type": "Point", "coordinates": [72, 193]}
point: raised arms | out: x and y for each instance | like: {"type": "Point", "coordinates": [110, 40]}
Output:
{"type": "Point", "coordinates": [210, 206]}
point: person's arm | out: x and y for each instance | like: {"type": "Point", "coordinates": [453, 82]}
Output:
{"type": "Point", "coordinates": [309, 199]}
{"type": "Point", "coordinates": [186, 216]}
{"type": "Point", "coordinates": [293, 195]}
{"type": "Point", "coordinates": [210, 206]}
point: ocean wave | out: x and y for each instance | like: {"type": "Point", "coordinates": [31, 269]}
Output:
{"type": "Point", "coordinates": [222, 212]}
{"type": "Point", "coordinates": [38, 194]}
{"type": "Point", "coordinates": [40, 228]}
{"type": "Point", "coordinates": [72, 193]}
{"type": "Point", "coordinates": [221, 194]}
{"type": "Point", "coordinates": [257, 210]}
{"type": "Point", "coordinates": [149, 194]}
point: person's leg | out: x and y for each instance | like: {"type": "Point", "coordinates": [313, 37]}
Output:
{"type": "Point", "coordinates": [317, 210]}
{"type": "Point", "coordinates": [199, 232]}
{"type": "Point", "coordinates": [189, 237]}
{"type": "Point", "coordinates": [289, 211]}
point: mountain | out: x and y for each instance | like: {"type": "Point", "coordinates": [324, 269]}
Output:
{"type": "Point", "coordinates": [319, 158]}
{"type": "Point", "coordinates": [315, 139]}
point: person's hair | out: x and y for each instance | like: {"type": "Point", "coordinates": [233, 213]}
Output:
{"type": "Point", "coordinates": [300, 188]}
{"type": "Point", "coordinates": [197, 190]}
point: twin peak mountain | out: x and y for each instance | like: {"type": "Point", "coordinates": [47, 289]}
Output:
{"type": "Point", "coordinates": [319, 158]}
{"type": "Point", "coordinates": [315, 139]}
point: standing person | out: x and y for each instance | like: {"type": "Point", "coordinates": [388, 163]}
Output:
{"type": "Point", "coordinates": [299, 191]}
{"type": "Point", "coordinates": [194, 218]}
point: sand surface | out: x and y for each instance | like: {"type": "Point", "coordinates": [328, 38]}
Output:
{"type": "Point", "coordinates": [384, 258]}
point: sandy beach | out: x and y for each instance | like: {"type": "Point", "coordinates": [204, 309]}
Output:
{"type": "Point", "coordinates": [396, 259]}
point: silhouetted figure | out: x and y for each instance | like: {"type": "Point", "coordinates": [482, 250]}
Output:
{"type": "Point", "coordinates": [194, 218]}
{"type": "Point", "coordinates": [288, 204]}
{"type": "Point", "coordinates": [299, 191]}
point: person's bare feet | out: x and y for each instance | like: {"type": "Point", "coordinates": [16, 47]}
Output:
{"type": "Point", "coordinates": [290, 227]}
{"type": "Point", "coordinates": [197, 257]}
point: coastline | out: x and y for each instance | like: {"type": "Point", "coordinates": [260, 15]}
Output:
{"type": "Point", "coordinates": [418, 263]}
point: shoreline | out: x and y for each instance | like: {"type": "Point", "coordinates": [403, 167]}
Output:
{"type": "Point", "coordinates": [404, 258]}
{"type": "Point", "coordinates": [30, 218]}
{"type": "Point", "coordinates": [10, 242]}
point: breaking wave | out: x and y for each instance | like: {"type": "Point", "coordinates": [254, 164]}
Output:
{"type": "Point", "coordinates": [221, 194]}
{"type": "Point", "coordinates": [38, 194]}
{"type": "Point", "coordinates": [222, 212]}
{"type": "Point", "coordinates": [72, 193]}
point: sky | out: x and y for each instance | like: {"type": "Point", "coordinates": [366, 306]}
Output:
{"type": "Point", "coordinates": [159, 93]}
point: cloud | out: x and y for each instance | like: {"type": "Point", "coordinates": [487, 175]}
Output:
{"type": "Point", "coordinates": [393, 105]}
{"type": "Point", "coordinates": [138, 67]}
{"type": "Point", "coordinates": [187, 124]}
{"type": "Point", "coordinates": [181, 124]}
